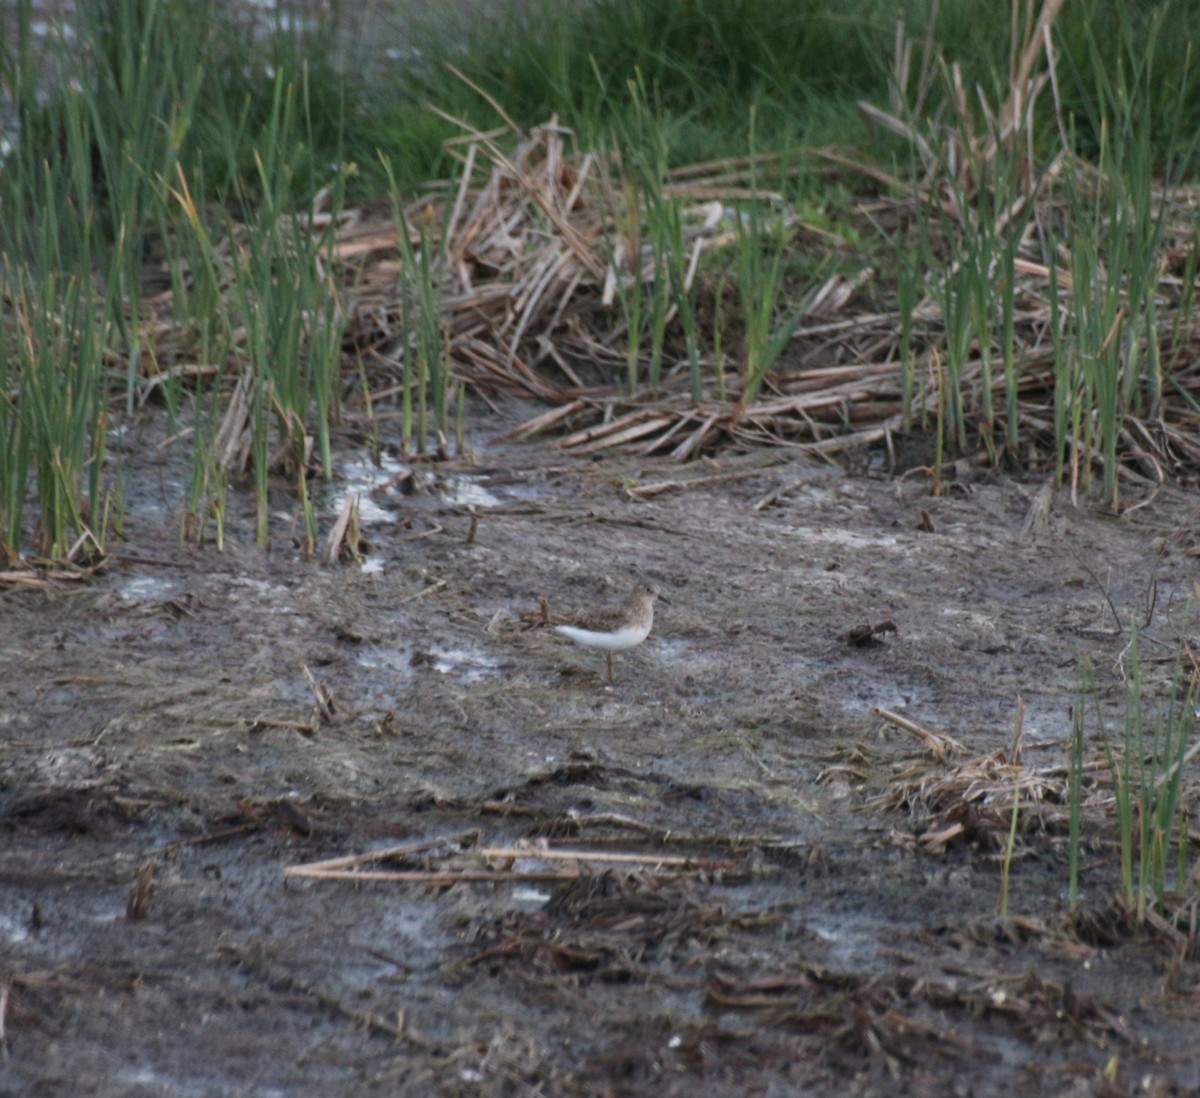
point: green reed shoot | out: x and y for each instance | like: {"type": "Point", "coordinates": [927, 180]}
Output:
{"type": "Point", "coordinates": [53, 398]}
{"type": "Point", "coordinates": [643, 142]}
{"type": "Point", "coordinates": [1087, 689]}
{"type": "Point", "coordinates": [1124, 768]}
{"type": "Point", "coordinates": [939, 388]}
{"type": "Point", "coordinates": [145, 75]}
{"type": "Point", "coordinates": [209, 341]}
{"type": "Point", "coordinates": [760, 286]}
{"type": "Point", "coordinates": [632, 293]}
{"type": "Point", "coordinates": [14, 453]}
{"type": "Point", "coordinates": [624, 248]}
{"type": "Point", "coordinates": [1147, 771]}
{"type": "Point", "coordinates": [1008, 340]}
{"type": "Point", "coordinates": [126, 87]}
{"type": "Point", "coordinates": [760, 290]}
{"type": "Point", "coordinates": [58, 417]}
{"type": "Point", "coordinates": [460, 417]}
{"type": "Point", "coordinates": [1107, 335]}
{"type": "Point", "coordinates": [979, 274]}
{"type": "Point", "coordinates": [972, 207]}
{"type": "Point", "coordinates": [670, 223]}
{"type": "Point", "coordinates": [660, 303]}
{"type": "Point", "coordinates": [1010, 847]}
{"type": "Point", "coordinates": [290, 312]}
{"type": "Point", "coordinates": [659, 294]}
{"type": "Point", "coordinates": [955, 302]}
{"type": "Point", "coordinates": [909, 289]}
{"type": "Point", "coordinates": [424, 352]}
{"type": "Point", "coordinates": [976, 294]}
{"type": "Point", "coordinates": [718, 345]}
{"type": "Point", "coordinates": [1089, 346]}
{"type": "Point", "coordinates": [990, 248]}
{"type": "Point", "coordinates": [77, 193]}
{"type": "Point", "coordinates": [147, 69]}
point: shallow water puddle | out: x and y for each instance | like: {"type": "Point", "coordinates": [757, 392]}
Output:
{"type": "Point", "coordinates": [147, 587]}
{"type": "Point", "coordinates": [464, 491]}
{"type": "Point", "coordinates": [381, 490]}
{"type": "Point", "coordinates": [366, 482]}
{"type": "Point", "coordinates": [469, 664]}
{"type": "Point", "coordinates": [865, 693]}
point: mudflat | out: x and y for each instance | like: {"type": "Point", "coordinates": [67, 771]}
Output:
{"type": "Point", "coordinates": [759, 911]}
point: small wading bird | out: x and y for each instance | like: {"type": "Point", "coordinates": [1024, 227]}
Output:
{"type": "Point", "coordinates": [619, 629]}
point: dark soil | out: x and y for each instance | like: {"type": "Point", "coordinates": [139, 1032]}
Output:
{"type": "Point", "coordinates": [157, 726]}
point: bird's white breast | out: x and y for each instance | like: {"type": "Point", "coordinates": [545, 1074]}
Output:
{"type": "Point", "coordinates": [626, 637]}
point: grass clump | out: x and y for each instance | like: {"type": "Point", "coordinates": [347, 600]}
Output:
{"type": "Point", "coordinates": [425, 379]}
{"type": "Point", "coordinates": [1147, 762]}
{"type": "Point", "coordinates": [1147, 766]}
{"type": "Point", "coordinates": [143, 131]}
{"type": "Point", "coordinates": [52, 402]}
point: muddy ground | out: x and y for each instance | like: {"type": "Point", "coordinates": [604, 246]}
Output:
{"type": "Point", "coordinates": [156, 723]}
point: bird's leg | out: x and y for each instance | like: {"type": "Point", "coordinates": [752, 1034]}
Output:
{"type": "Point", "coordinates": [608, 656]}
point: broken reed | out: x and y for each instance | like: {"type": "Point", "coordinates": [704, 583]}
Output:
{"type": "Point", "coordinates": [1013, 758]}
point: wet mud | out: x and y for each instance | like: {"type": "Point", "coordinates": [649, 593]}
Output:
{"type": "Point", "coordinates": [184, 728]}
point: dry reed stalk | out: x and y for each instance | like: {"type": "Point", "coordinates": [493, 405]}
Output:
{"type": "Point", "coordinates": [531, 244]}
{"type": "Point", "coordinates": [463, 860]}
